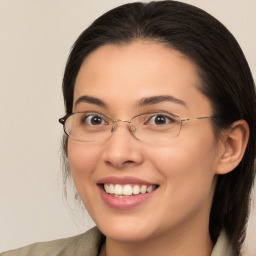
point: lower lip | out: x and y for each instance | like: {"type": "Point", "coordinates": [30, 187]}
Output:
{"type": "Point", "coordinates": [125, 203]}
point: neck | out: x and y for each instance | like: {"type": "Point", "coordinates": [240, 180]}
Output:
{"type": "Point", "coordinates": [188, 244]}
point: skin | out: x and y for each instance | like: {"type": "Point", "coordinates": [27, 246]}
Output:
{"type": "Point", "coordinates": [176, 217]}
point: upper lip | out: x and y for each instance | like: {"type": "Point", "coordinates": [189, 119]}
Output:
{"type": "Point", "coordinates": [123, 180]}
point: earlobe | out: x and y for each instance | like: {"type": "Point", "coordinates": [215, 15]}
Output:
{"type": "Point", "coordinates": [234, 143]}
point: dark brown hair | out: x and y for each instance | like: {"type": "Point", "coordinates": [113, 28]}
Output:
{"type": "Point", "coordinates": [226, 81]}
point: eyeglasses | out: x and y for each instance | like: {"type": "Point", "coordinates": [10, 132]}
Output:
{"type": "Point", "coordinates": [93, 126]}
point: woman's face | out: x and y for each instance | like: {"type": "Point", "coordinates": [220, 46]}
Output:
{"type": "Point", "coordinates": [181, 170]}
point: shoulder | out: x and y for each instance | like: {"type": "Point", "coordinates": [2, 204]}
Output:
{"type": "Point", "coordinates": [84, 244]}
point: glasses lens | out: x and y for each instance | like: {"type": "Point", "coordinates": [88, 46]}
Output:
{"type": "Point", "coordinates": [156, 126]}
{"type": "Point", "coordinates": [88, 126]}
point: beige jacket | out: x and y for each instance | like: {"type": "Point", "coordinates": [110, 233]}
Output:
{"type": "Point", "coordinates": [89, 244]}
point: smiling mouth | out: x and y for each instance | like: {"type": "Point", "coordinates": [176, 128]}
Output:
{"type": "Point", "coordinates": [126, 190]}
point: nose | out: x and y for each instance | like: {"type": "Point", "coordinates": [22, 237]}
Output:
{"type": "Point", "coordinates": [122, 148]}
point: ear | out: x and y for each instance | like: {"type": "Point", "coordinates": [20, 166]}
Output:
{"type": "Point", "coordinates": [234, 142]}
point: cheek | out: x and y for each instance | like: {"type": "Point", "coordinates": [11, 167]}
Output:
{"type": "Point", "coordinates": [82, 159]}
{"type": "Point", "coordinates": [188, 179]}
{"type": "Point", "coordinates": [187, 167]}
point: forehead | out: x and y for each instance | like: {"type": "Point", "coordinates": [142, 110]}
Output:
{"type": "Point", "coordinates": [129, 72]}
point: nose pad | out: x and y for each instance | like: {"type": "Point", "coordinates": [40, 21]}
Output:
{"type": "Point", "coordinates": [114, 126]}
{"type": "Point", "coordinates": [132, 128]}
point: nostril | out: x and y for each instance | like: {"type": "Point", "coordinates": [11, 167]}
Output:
{"type": "Point", "coordinates": [128, 162]}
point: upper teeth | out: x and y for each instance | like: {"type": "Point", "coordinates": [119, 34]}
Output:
{"type": "Point", "coordinates": [127, 190]}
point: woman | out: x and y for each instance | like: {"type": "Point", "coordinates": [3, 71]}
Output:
{"type": "Point", "coordinates": [160, 134]}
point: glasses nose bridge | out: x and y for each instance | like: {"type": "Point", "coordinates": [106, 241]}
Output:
{"type": "Point", "coordinates": [115, 122]}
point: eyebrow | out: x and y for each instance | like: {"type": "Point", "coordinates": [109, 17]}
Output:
{"type": "Point", "coordinates": [91, 100]}
{"type": "Point", "coordinates": [159, 99]}
{"type": "Point", "coordinates": [143, 102]}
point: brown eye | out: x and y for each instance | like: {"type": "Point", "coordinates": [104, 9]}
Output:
{"type": "Point", "coordinates": [93, 120]}
{"type": "Point", "coordinates": [160, 120]}
{"type": "Point", "coordinates": [96, 120]}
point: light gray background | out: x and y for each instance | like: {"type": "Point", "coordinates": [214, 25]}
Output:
{"type": "Point", "coordinates": [35, 39]}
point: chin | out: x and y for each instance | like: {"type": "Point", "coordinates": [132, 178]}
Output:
{"type": "Point", "coordinates": [126, 231]}
{"type": "Point", "coordinates": [128, 236]}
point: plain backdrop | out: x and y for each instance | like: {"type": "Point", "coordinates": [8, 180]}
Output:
{"type": "Point", "coordinates": [35, 39]}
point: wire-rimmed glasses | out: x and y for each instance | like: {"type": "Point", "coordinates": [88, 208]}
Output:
{"type": "Point", "coordinates": [93, 126]}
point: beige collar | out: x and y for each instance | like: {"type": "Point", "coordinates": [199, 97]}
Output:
{"type": "Point", "coordinates": [222, 246]}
